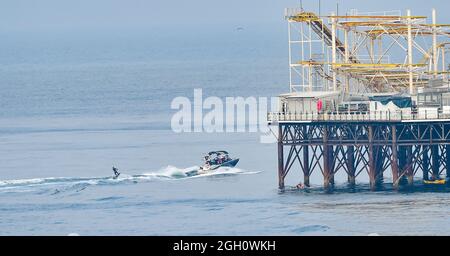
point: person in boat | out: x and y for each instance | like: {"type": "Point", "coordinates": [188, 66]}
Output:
{"type": "Point", "coordinates": [220, 159]}
{"type": "Point", "coordinates": [207, 160]}
{"type": "Point", "coordinates": [213, 161]}
{"type": "Point", "coordinates": [116, 172]}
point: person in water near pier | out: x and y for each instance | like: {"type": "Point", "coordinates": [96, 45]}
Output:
{"type": "Point", "coordinates": [300, 186]}
{"type": "Point", "coordinates": [434, 177]}
{"type": "Point", "coordinates": [116, 172]}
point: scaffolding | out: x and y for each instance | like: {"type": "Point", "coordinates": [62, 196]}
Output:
{"type": "Point", "coordinates": [379, 51]}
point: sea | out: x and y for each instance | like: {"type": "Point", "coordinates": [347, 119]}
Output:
{"type": "Point", "coordinates": [75, 103]}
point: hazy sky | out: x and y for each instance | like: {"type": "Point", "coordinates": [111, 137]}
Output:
{"type": "Point", "coordinates": [97, 14]}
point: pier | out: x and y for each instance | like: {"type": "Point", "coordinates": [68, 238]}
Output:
{"type": "Point", "coordinates": [405, 147]}
{"type": "Point", "coordinates": [365, 103]}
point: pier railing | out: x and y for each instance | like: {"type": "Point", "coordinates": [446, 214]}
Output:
{"type": "Point", "coordinates": [356, 116]}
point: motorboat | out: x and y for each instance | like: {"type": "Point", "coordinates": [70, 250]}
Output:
{"type": "Point", "coordinates": [214, 160]}
{"type": "Point", "coordinates": [217, 159]}
{"type": "Point", "coordinates": [435, 182]}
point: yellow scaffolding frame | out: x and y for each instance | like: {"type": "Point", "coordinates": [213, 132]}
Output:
{"type": "Point", "coordinates": [369, 32]}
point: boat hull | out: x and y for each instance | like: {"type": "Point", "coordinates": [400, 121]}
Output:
{"type": "Point", "coordinates": [231, 163]}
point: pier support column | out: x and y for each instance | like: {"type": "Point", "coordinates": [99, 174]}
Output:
{"type": "Point", "coordinates": [402, 163]}
{"type": "Point", "coordinates": [306, 171]}
{"type": "Point", "coordinates": [394, 159]}
{"type": "Point", "coordinates": [435, 161]}
{"type": "Point", "coordinates": [447, 160]}
{"type": "Point", "coordinates": [331, 150]}
{"type": "Point", "coordinates": [379, 160]}
{"type": "Point", "coordinates": [326, 160]}
{"type": "Point", "coordinates": [409, 167]}
{"type": "Point", "coordinates": [351, 165]}
{"type": "Point", "coordinates": [371, 160]}
{"type": "Point", "coordinates": [425, 162]}
{"type": "Point", "coordinates": [280, 158]}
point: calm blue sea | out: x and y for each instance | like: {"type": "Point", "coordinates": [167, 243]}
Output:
{"type": "Point", "coordinates": [74, 103]}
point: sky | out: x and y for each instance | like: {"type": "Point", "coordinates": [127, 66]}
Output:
{"type": "Point", "coordinates": [32, 15]}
